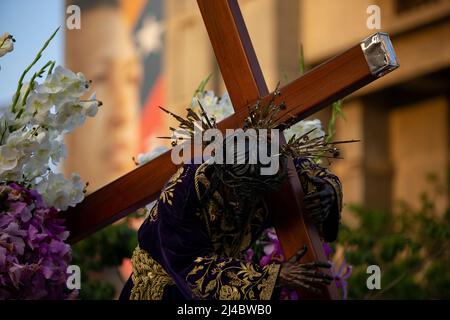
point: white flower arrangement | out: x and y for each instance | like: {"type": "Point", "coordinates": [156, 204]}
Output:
{"type": "Point", "coordinates": [32, 129]}
{"type": "Point", "coordinates": [314, 127]}
{"type": "Point", "coordinates": [217, 108]}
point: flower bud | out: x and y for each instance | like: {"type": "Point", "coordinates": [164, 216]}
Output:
{"type": "Point", "coordinates": [6, 43]}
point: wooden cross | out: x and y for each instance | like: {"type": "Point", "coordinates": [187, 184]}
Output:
{"type": "Point", "coordinates": [245, 83]}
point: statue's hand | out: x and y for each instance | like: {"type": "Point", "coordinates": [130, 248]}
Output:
{"type": "Point", "coordinates": [318, 204]}
{"type": "Point", "coordinates": [294, 275]}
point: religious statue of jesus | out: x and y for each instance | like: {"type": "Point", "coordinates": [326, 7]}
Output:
{"type": "Point", "coordinates": [191, 244]}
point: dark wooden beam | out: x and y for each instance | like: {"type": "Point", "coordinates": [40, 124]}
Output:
{"type": "Point", "coordinates": [328, 82]}
{"type": "Point", "coordinates": [234, 51]}
{"type": "Point", "coordinates": [245, 84]}
{"type": "Point", "coordinates": [119, 198]}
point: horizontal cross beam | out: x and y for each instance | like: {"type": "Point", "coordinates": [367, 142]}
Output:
{"type": "Point", "coordinates": [319, 87]}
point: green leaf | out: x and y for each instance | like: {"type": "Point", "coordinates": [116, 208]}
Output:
{"type": "Point", "coordinates": [36, 59]}
{"type": "Point", "coordinates": [201, 87]}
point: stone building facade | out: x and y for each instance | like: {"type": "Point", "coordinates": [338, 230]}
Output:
{"type": "Point", "coordinates": [402, 120]}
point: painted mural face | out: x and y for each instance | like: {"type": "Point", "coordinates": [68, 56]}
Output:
{"type": "Point", "coordinates": [104, 51]}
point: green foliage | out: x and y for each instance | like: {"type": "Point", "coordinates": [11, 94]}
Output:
{"type": "Point", "coordinates": [105, 248]}
{"type": "Point", "coordinates": [201, 87]}
{"type": "Point", "coordinates": [411, 246]}
{"type": "Point", "coordinates": [96, 290]}
{"type": "Point", "coordinates": [38, 74]}
{"type": "Point", "coordinates": [336, 112]}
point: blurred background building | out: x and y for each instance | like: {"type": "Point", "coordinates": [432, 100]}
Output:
{"type": "Point", "coordinates": [402, 120]}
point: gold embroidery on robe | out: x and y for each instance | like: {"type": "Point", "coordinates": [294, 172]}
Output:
{"type": "Point", "coordinates": [153, 214]}
{"type": "Point", "coordinates": [227, 238]}
{"type": "Point", "coordinates": [149, 277]}
{"type": "Point", "coordinates": [231, 279]}
{"type": "Point", "coordinates": [227, 278]}
{"type": "Point", "coordinates": [167, 193]}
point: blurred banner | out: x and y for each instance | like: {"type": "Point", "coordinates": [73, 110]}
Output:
{"type": "Point", "coordinates": [146, 18]}
{"type": "Point", "coordinates": [120, 48]}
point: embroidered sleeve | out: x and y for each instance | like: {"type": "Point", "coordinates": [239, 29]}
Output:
{"type": "Point", "coordinates": [189, 258]}
{"type": "Point", "coordinates": [181, 244]}
{"type": "Point", "coordinates": [231, 279]}
{"type": "Point", "coordinates": [149, 278]}
{"type": "Point", "coordinates": [306, 169]}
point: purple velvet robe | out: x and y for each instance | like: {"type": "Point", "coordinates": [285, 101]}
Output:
{"type": "Point", "coordinates": [192, 249]}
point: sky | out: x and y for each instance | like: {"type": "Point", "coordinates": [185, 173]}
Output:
{"type": "Point", "coordinates": [31, 23]}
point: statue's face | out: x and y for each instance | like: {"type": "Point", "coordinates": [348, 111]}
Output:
{"type": "Point", "coordinates": [107, 56]}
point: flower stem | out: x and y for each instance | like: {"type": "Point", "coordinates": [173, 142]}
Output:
{"type": "Point", "coordinates": [37, 74]}
{"type": "Point", "coordinates": [51, 68]}
{"type": "Point", "coordinates": [3, 133]}
{"type": "Point", "coordinates": [36, 59]}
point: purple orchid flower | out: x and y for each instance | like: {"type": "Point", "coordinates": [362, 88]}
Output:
{"type": "Point", "coordinates": [272, 252]}
{"type": "Point", "coordinates": [33, 255]}
{"type": "Point", "coordinates": [340, 273]}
